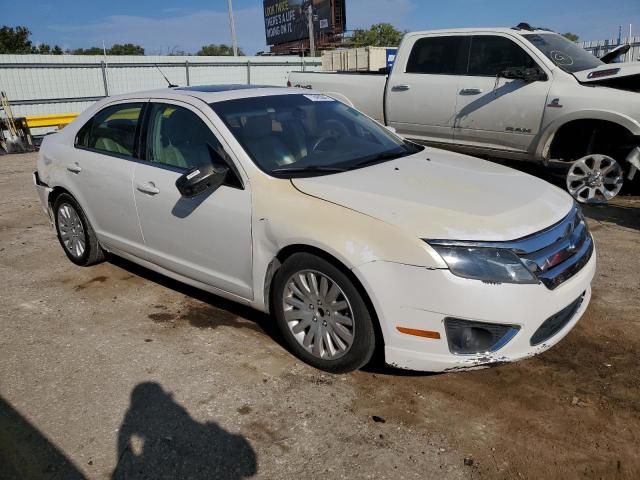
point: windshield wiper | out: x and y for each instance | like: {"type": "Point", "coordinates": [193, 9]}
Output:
{"type": "Point", "coordinates": [308, 169]}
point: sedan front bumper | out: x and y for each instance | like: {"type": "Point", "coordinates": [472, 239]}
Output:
{"type": "Point", "coordinates": [418, 299]}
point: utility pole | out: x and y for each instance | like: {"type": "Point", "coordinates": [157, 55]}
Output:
{"type": "Point", "coordinates": [630, 58]}
{"type": "Point", "coordinates": [312, 38]}
{"type": "Point", "coordinates": [232, 25]}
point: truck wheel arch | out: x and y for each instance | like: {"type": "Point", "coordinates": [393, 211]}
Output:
{"type": "Point", "coordinates": [553, 135]}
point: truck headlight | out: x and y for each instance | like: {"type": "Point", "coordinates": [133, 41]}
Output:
{"type": "Point", "coordinates": [486, 264]}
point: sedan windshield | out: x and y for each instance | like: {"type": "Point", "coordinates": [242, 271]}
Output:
{"type": "Point", "coordinates": [565, 54]}
{"type": "Point", "coordinates": [306, 135]}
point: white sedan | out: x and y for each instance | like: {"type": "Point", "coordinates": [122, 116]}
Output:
{"type": "Point", "coordinates": [296, 204]}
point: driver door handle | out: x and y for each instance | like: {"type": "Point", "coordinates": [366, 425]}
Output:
{"type": "Point", "coordinates": [400, 88]}
{"type": "Point", "coordinates": [470, 91]}
{"type": "Point", "coordinates": [74, 168]}
{"type": "Point", "coordinates": [148, 188]}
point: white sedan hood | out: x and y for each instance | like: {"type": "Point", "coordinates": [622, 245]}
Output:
{"type": "Point", "coordinates": [449, 196]}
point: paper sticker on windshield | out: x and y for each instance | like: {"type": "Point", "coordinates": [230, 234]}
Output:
{"type": "Point", "coordinates": [320, 98]}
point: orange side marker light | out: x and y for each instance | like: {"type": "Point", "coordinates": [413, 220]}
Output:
{"type": "Point", "coordinates": [420, 333]}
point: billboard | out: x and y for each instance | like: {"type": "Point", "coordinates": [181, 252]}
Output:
{"type": "Point", "coordinates": [287, 20]}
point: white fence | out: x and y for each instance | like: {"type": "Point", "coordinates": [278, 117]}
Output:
{"type": "Point", "coordinates": [600, 47]}
{"type": "Point", "coordinates": [43, 84]}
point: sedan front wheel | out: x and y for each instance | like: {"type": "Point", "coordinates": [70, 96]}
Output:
{"type": "Point", "coordinates": [322, 315]}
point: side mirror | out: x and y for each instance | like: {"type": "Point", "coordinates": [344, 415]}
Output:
{"type": "Point", "coordinates": [198, 179]}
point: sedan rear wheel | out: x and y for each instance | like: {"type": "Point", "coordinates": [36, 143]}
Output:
{"type": "Point", "coordinates": [322, 314]}
{"type": "Point", "coordinates": [71, 230]}
{"type": "Point", "coordinates": [75, 233]}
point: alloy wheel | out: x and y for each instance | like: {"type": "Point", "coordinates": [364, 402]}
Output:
{"type": "Point", "coordinates": [71, 230]}
{"type": "Point", "coordinates": [595, 179]}
{"type": "Point", "coordinates": [318, 314]}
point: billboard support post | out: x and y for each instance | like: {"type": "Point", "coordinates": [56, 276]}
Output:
{"type": "Point", "coordinates": [232, 26]}
{"type": "Point", "coordinates": [312, 37]}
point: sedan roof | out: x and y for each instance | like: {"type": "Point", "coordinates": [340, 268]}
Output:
{"type": "Point", "coordinates": [215, 93]}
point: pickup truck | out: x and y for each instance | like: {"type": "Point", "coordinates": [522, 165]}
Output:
{"type": "Point", "coordinates": [517, 93]}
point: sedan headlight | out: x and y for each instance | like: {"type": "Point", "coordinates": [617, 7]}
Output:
{"type": "Point", "coordinates": [486, 264]}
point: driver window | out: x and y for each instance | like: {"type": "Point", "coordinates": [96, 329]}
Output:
{"type": "Point", "coordinates": [490, 55]}
{"type": "Point", "coordinates": [179, 138]}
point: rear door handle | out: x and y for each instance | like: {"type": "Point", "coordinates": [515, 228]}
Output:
{"type": "Point", "coordinates": [400, 88]}
{"type": "Point", "coordinates": [74, 168]}
{"type": "Point", "coordinates": [470, 91]}
{"type": "Point", "coordinates": [148, 188]}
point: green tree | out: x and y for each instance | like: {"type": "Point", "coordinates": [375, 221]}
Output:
{"type": "Point", "coordinates": [44, 49]}
{"type": "Point", "coordinates": [125, 49]}
{"type": "Point", "coordinates": [571, 36]}
{"type": "Point", "coordinates": [378, 35]}
{"type": "Point", "coordinates": [87, 51]}
{"type": "Point", "coordinates": [116, 49]}
{"type": "Point", "coordinates": [218, 50]}
{"type": "Point", "coordinates": [15, 40]}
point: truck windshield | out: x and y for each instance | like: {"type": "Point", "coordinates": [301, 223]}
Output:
{"type": "Point", "coordinates": [565, 54]}
{"type": "Point", "coordinates": [308, 134]}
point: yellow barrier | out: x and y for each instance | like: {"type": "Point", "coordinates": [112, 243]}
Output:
{"type": "Point", "coordinates": [53, 120]}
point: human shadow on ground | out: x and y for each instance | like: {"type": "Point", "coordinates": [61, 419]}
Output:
{"type": "Point", "coordinates": [158, 439]}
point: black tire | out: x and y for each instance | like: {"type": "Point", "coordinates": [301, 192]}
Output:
{"type": "Point", "coordinates": [364, 341]}
{"type": "Point", "coordinates": [92, 253]}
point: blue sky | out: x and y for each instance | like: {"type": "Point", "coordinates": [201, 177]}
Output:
{"type": "Point", "coordinates": [161, 26]}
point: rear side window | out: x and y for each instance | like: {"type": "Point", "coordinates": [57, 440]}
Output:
{"type": "Point", "coordinates": [112, 130]}
{"type": "Point", "coordinates": [491, 54]}
{"type": "Point", "coordinates": [436, 55]}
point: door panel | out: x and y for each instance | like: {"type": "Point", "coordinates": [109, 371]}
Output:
{"type": "Point", "coordinates": [421, 95]}
{"type": "Point", "coordinates": [207, 237]}
{"type": "Point", "coordinates": [100, 172]}
{"type": "Point", "coordinates": [496, 112]}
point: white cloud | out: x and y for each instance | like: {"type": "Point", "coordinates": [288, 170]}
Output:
{"type": "Point", "coordinates": [179, 31]}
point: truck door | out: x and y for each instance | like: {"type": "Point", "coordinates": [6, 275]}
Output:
{"type": "Point", "coordinates": [421, 94]}
{"type": "Point", "coordinates": [494, 112]}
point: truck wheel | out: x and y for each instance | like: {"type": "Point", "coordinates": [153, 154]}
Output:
{"type": "Point", "coordinates": [322, 315]}
{"type": "Point", "coordinates": [595, 179]}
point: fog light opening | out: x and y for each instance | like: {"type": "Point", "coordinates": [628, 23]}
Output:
{"type": "Point", "coordinates": [468, 338]}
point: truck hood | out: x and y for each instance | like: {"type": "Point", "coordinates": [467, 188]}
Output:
{"type": "Point", "coordinates": [612, 74]}
{"type": "Point", "coordinates": [443, 195]}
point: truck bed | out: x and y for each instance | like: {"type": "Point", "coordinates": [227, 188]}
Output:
{"type": "Point", "coordinates": [363, 90]}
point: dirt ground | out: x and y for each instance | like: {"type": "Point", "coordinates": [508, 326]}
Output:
{"type": "Point", "coordinates": [116, 372]}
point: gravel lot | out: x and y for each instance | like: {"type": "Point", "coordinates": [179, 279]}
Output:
{"type": "Point", "coordinates": [116, 372]}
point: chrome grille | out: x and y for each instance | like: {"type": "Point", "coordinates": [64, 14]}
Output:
{"type": "Point", "coordinates": [554, 254]}
{"type": "Point", "coordinates": [570, 248]}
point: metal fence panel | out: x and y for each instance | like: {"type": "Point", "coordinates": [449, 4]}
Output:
{"type": "Point", "coordinates": [41, 84]}
{"type": "Point", "coordinates": [600, 47]}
